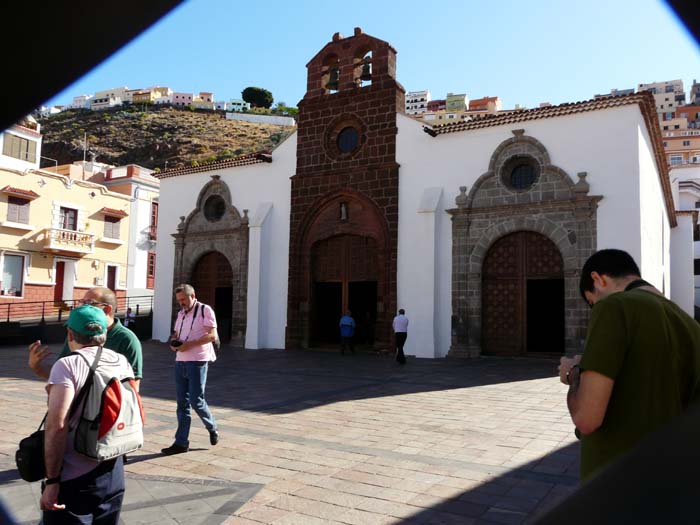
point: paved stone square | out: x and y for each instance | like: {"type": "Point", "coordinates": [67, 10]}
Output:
{"type": "Point", "coordinates": [316, 437]}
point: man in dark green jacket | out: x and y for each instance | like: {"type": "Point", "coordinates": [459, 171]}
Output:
{"type": "Point", "coordinates": [119, 338]}
{"type": "Point", "coordinates": [641, 364]}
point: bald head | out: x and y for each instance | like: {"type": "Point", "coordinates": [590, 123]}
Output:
{"type": "Point", "coordinates": [102, 298]}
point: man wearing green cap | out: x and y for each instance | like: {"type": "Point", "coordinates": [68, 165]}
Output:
{"type": "Point", "coordinates": [78, 489]}
{"type": "Point", "coordinates": [119, 338]}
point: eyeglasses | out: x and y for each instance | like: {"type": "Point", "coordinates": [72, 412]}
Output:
{"type": "Point", "coordinates": [90, 302]}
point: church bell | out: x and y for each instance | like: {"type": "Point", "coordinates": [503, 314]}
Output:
{"type": "Point", "coordinates": [366, 74]}
{"type": "Point", "coordinates": [333, 79]}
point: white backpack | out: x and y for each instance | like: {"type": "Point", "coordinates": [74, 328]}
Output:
{"type": "Point", "coordinates": [111, 421]}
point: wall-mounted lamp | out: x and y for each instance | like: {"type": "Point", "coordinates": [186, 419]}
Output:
{"type": "Point", "coordinates": [96, 265]}
{"type": "Point", "coordinates": [93, 194]}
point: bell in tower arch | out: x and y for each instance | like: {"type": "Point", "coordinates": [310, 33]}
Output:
{"type": "Point", "coordinates": [366, 74]}
{"type": "Point", "coordinates": [333, 79]}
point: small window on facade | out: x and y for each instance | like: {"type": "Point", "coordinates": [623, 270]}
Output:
{"type": "Point", "coordinates": [696, 267]}
{"type": "Point", "coordinates": [522, 176]}
{"type": "Point", "coordinates": [686, 143]}
{"type": "Point", "coordinates": [153, 226]}
{"type": "Point", "coordinates": [12, 275]}
{"type": "Point", "coordinates": [18, 210]}
{"type": "Point", "coordinates": [348, 140]}
{"type": "Point", "coordinates": [112, 227]}
{"type": "Point", "coordinates": [19, 148]}
{"type": "Point", "coordinates": [68, 219]}
{"type": "Point", "coordinates": [214, 208]}
{"type": "Point", "coordinates": [151, 271]}
{"type": "Point", "coordinates": [344, 211]}
{"type": "Point", "coordinates": [676, 159]}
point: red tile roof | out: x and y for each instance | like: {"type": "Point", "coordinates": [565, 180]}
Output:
{"type": "Point", "coordinates": [20, 192]}
{"type": "Point", "coordinates": [644, 99]}
{"type": "Point", "coordinates": [113, 212]}
{"type": "Point", "coordinates": [243, 160]}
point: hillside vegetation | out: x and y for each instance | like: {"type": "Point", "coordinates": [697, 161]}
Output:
{"type": "Point", "coordinates": [152, 135]}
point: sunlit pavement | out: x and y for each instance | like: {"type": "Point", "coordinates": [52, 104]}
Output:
{"type": "Point", "coordinates": [316, 437]}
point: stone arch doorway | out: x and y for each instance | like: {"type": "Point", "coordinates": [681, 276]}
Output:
{"type": "Point", "coordinates": [342, 260]}
{"type": "Point", "coordinates": [523, 297]}
{"type": "Point", "coordinates": [211, 278]}
{"type": "Point", "coordinates": [211, 253]}
{"type": "Point", "coordinates": [344, 276]}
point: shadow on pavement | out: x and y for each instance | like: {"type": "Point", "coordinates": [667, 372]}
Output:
{"type": "Point", "coordinates": [513, 496]}
{"type": "Point", "coordinates": [279, 381]}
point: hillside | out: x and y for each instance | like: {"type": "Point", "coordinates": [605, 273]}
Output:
{"type": "Point", "coordinates": [130, 135]}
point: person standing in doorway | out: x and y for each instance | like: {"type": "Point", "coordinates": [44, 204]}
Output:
{"type": "Point", "coordinates": [400, 326]}
{"type": "Point", "coordinates": [347, 332]}
{"type": "Point", "coordinates": [195, 331]}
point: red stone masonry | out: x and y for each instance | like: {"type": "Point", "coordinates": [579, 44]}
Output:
{"type": "Point", "coordinates": [367, 175]}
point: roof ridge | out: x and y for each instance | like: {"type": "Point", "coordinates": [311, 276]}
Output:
{"type": "Point", "coordinates": [241, 160]}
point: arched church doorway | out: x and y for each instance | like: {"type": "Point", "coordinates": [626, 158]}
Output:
{"type": "Point", "coordinates": [211, 279]}
{"type": "Point", "coordinates": [523, 296]}
{"type": "Point", "coordinates": [345, 276]}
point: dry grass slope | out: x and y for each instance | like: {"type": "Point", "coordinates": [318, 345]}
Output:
{"type": "Point", "coordinates": [130, 135]}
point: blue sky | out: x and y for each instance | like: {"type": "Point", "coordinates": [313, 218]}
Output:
{"type": "Point", "coordinates": [525, 51]}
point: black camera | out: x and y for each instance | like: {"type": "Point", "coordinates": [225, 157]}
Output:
{"type": "Point", "coordinates": [176, 343]}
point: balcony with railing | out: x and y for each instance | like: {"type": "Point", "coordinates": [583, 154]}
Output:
{"type": "Point", "coordinates": [60, 240]}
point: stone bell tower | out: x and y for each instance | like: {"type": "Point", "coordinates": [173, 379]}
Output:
{"type": "Point", "coordinates": [344, 197]}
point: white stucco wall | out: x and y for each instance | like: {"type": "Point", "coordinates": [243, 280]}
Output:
{"type": "Point", "coordinates": [605, 144]}
{"type": "Point", "coordinates": [249, 186]}
{"type": "Point", "coordinates": [139, 242]}
{"type": "Point", "coordinates": [682, 279]}
{"type": "Point", "coordinates": [655, 237]}
{"type": "Point", "coordinates": [261, 119]}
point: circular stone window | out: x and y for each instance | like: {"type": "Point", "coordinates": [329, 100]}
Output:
{"type": "Point", "coordinates": [214, 208]}
{"type": "Point", "coordinates": [520, 173]}
{"type": "Point", "coordinates": [348, 140]}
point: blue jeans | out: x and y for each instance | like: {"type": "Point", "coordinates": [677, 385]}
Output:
{"type": "Point", "coordinates": [190, 382]}
{"type": "Point", "coordinates": [93, 498]}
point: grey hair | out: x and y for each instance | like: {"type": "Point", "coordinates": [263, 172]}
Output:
{"type": "Point", "coordinates": [90, 340]}
{"type": "Point", "coordinates": [187, 289]}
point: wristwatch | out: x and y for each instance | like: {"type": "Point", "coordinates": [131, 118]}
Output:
{"type": "Point", "coordinates": [52, 481]}
{"type": "Point", "coordinates": [569, 372]}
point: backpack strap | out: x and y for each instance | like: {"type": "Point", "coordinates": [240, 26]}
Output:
{"type": "Point", "coordinates": [88, 382]}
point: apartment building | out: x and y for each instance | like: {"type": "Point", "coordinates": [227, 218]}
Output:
{"type": "Point", "coordinates": [20, 145]}
{"type": "Point", "coordinates": [59, 235]}
{"type": "Point", "coordinates": [143, 189]}
{"type": "Point", "coordinates": [456, 102]}
{"type": "Point", "coordinates": [109, 98]}
{"type": "Point", "coordinates": [668, 95]}
{"type": "Point", "coordinates": [417, 102]}
{"type": "Point", "coordinates": [81, 102]}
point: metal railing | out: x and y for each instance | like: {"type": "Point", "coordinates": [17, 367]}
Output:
{"type": "Point", "coordinates": [46, 311]}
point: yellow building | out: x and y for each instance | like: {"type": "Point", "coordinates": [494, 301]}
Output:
{"type": "Point", "coordinates": [145, 96]}
{"type": "Point", "coordinates": [59, 236]}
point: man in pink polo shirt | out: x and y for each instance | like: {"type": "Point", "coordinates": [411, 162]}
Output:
{"type": "Point", "coordinates": [195, 331]}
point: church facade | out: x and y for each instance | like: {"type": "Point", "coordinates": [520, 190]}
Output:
{"type": "Point", "coordinates": [478, 229]}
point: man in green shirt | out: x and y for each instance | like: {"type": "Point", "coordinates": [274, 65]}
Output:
{"type": "Point", "coordinates": [641, 363]}
{"type": "Point", "coordinates": [119, 338]}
